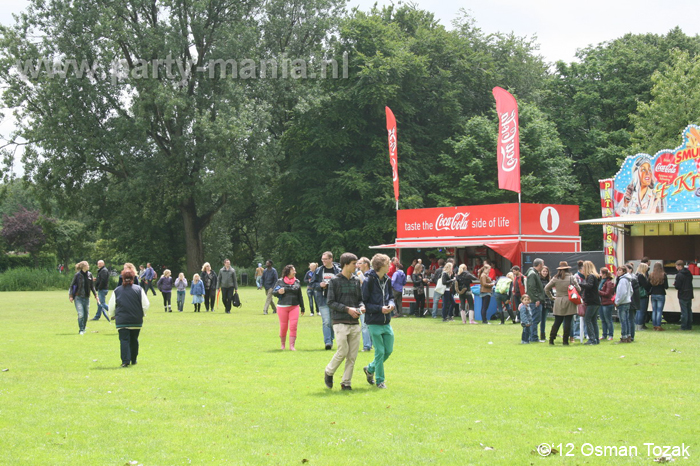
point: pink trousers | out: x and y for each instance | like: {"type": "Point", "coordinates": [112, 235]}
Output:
{"type": "Point", "coordinates": [289, 318]}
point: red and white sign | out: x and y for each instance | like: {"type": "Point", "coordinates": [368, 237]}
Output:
{"type": "Point", "coordinates": [393, 152]}
{"type": "Point", "coordinates": [487, 220]}
{"type": "Point", "coordinates": [666, 169]}
{"type": "Point", "coordinates": [508, 150]}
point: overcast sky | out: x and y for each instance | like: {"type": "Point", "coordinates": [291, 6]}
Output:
{"type": "Point", "coordinates": [561, 27]}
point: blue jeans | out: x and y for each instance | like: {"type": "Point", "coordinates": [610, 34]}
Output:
{"type": "Point", "coordinates": [448, 303]}
{"type": "Point", "coordinates": [310, 294]}
{"type": "Point", "coordinates": [623, 313]}
{"type": "Point", "coordinates": [180, 300]}
{"type": "Point", "coordinates": [575, 327]}
{"type": "Point", "coordinates": [606, 318]}
{"type": "Point", "coordinates": [591, 320]}
{"type": "Point", "coordinates": [657, 308]}
{"type": "Point", "coordinates": [536, 312]}
{"type": "Point", "coordinates": [258, 283]}
{"type": "Point", "coordinates": [436, 301]}
{"type": "Point", "coordinates": [686, 314]}
{"type": "Point", "coordinates": [366, 337]}
{"type": "Point", "coordinates": [101, 304]}
{"type": "Point", "coordinates": [325, 312]}
{"type": "Point", "coordinates": [641, 316]}
{"type": "Point", "coordinates": [82, 305]}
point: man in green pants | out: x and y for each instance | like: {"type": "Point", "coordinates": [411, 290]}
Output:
{"type": "Point", "coordinates": [379, 304]}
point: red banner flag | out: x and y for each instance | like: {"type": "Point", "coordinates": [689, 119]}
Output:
{"type": "Point", "coordinates": [393, 156]}
{"type": "Point", "coordinates": [508, 140]}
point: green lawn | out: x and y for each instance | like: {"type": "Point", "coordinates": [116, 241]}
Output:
{"type": "Point", "coordinates": [215, 389]}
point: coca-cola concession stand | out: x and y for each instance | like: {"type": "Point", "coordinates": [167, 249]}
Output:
{"type": "Point", "coordinates": [499, 232]}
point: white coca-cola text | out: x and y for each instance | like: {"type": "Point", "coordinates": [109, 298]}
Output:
{"type": "Point", "coordinates": [458, 222]}
{"type": "Point", "coordinates": [509, 129]}
{"type": "Point", "coordinates": [666, 168]}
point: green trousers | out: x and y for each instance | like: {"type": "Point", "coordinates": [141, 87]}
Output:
{"type": "Point", "coordinates": [383, 341]}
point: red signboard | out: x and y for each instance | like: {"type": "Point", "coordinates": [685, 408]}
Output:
{"type": "Point", "coordinates": [487, 220]}
{"type": "Point", "coordinates": [393, 155]}
{"type": "Point", "coordinates": [508, 150]}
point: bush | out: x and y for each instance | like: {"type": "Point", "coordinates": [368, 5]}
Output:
{"type": "Point", "coordinates": [12, 261]}
{"type": "Point", "coordinates": [28, 279]}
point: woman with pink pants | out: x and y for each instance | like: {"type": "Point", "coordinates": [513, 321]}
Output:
{"type": "Point", "coordinates": [288, 291]}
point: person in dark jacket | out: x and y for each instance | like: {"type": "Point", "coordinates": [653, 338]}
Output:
{"type": "Point", "coordinates": [210, 282]}
{"type": "Point", "coordinates": [644, 288]}
{"type": "Point", "coordinates": [269, 281]}
{"type": "Point", "coordinates": [345, 303]}
{"type": "Point", "coordinates": [323, 275]}
{"type": "Point", "coordinates": [606, 290]}
{"type": "Point", "coordinates": [419, 283]}
{"type": "Point", "coordinates": [132, 267]}
{"type": "Point", "coordinates": [379, 302]}
{"type": "Point", "coordinates": [79, 293]}
{"type": "Point", "coordinates": [228, 284]}
{"type": "Point", "coordinates": [448, 302]}
{"type": "Point", "coordinates": [127, 307]}
{"type": "Point", "coordinates": [290, 301]}
{"type": "Point", "coordinates": [437, 296]}
{"type": "Point", "coordinates": [684, 284]}
{"type": "Point", "coordinates": [591, 297]}
{"type": "Point", "coordinates": [165, 286]}
{"type": "Point", "coordinates": [463, 287]}
{"type": "Point", "coordinates": [309, 289]}
{"type": "Point", "coordinates": [102, 287]}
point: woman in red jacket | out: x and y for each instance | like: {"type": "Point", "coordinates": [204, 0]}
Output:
{"type": "Point", "coordinates": [606, 289]}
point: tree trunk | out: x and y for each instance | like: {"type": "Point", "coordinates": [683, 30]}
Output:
{"type": "Point", "coordinates": [193, 238]}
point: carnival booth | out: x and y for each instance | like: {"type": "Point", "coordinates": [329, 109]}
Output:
{"type": "Point", "coordinates": [652, 208]}
{"type": "Point", "coordinates": [500, 233]}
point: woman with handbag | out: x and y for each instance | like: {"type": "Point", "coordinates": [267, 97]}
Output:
{"type": "Point", "coordinates": [564, 308]}
{"type": "Point", "coordinates": [463, 286]}
{"type": "Point", "coordinates": [448, 301]}
{"type": "Point", "coordinates": [591, 296]}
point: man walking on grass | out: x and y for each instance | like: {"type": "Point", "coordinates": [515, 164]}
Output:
{"type": "Point", "coordinates": [102, 287]}
{"type": "Point", "coordinates": [345, 303]}
{"type": "Point", "coordinates": [319, 283]}
{"type": "Point", "coordinates": [535, 290]}
{"type": "Point", "coordinates": [228, 284]}
{"type": "Point", "coordinates": [269, 280]}
{"type": "Point", "coordinates": [148, 276]}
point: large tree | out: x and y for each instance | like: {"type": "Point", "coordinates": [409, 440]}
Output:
{"type": "Point", "coordinates": [167, 127]}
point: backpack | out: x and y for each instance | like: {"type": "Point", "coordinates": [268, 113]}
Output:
{"type": "Point", "coordinates": [636, 303]}
{"type": "Point", "coordinates": [503, 285]}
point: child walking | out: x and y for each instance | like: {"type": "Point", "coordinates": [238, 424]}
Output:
{"type": "Point", "coordinates": [197, 292]}
{"type": "Point", "coordinates": [525, 319]}
{"type": "Point", "coordinates": [181, 285]}
{"type": "Point", "coordinates": [165, 286]}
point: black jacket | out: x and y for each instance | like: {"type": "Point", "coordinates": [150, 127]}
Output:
{"type": "Point", "coordinates": [102, 282]}
{"type": "Point", "coordinates": [684, 284]}
{"type": "Point", "coordinates": [78, 286]}
{"type": "Point", "coordinates": [591, 295]}
{"type": "Point", "coordinates": [376, 294]}
{"type": "Point", "coordinates": [292, 294]}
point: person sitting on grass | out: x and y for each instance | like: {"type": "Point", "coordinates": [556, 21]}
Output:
{"type": "Point", "coordinates": [525, 319]}
{"type": "Point", "coordinates": [377, 296]}
{"type": "Point", "coordinates": [345, 303]}
{"type": "Point", "coordinates": [127, 307]}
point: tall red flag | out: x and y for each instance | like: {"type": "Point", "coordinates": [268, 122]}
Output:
{"type": "Point", "coordinates": [508, 140]}
{"type": "Point", "coordinates": [393, 156]}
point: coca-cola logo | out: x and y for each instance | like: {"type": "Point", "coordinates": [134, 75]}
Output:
{"type": "Point", "coordinates": [457, 222]}
{"type": "Point", "coordinates": [509, 130]}
{"type": "Point", "coordinates": [666, 169]}
{"type": "Point", "coordinates": [392, 155]}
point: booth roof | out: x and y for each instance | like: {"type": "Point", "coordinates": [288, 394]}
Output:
{"type": "Point", "coordinates": [510, 249]}
{"type": "Point", "coordinates": [644, 218]}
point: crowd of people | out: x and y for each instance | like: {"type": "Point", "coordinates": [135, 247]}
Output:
{"type": "Point", "coordinates": [357, 298]}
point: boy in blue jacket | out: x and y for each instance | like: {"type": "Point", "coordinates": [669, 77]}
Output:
{"type": "Point", "coordinates": [379, 304]}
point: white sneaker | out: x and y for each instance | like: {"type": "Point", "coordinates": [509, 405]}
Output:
{"type": "Point", "coordinates": [381, 385]}
{"type": "Point", "coordinates": [82, 332]}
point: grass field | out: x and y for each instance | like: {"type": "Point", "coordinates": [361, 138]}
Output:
{"type": "Point", "coordinates": [215, 389]}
